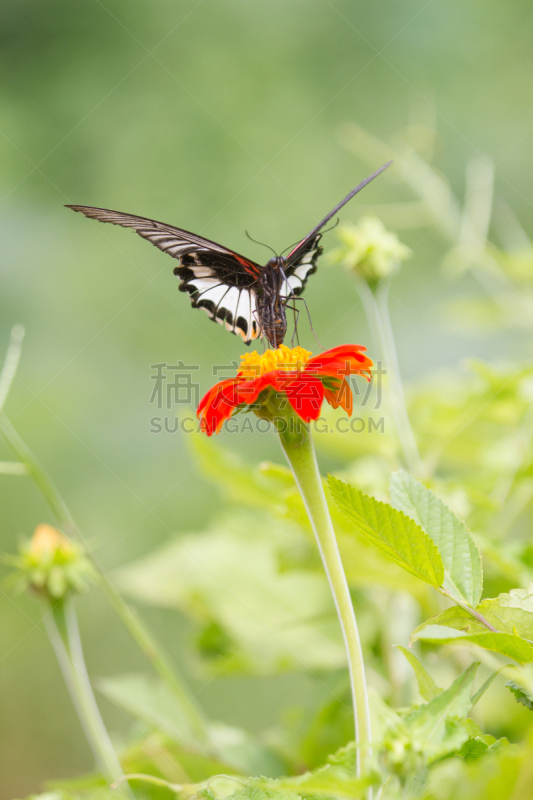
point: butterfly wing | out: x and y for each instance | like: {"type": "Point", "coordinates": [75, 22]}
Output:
{"type": "Point", "coordinates": [219, 281]}
{"type": "Point", "coordinates": [302, 260]}
{"type": "Point", "coordinates": [302, 265]}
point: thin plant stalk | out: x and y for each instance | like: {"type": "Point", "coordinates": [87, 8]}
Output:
{"type": "Point", "coordinates": [149, 646]}
{"type": "Point", "coordinates": [300, 453]}
{"type": "Point", "coordinates": [376, 305]}
{"type": "Point", "coordinates": [147, 643]}
{"type": "Point", "coordinates": [62, 626]}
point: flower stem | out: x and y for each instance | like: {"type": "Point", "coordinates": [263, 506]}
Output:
{"type": "Point", "coordinates": [62, 625]}
{"type": "Point", "coordinates": [150, 647]}
{"type": "Point", "coordinates": [300, 453]}
{"type": "Point", "coordinates": [376, 305]}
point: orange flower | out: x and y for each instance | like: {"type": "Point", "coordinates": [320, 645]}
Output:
{"type": "Point", "coordinates": [265, 382]}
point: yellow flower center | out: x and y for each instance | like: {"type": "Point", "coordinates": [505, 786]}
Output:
{"type": "Point", "coordinates": [286, 358]}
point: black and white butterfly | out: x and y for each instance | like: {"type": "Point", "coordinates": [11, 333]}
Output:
{"type": "Point", "coordinates": [249, 299]}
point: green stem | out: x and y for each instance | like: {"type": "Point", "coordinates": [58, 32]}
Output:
{"type": "Point", "coordinates": [149, 646]}
{"type": "Point", "coordinates": [62, 626]}
{"type": "Point", "coordinates": [298, 448]}
{"type": "Point", "coordinates": [376, 307]}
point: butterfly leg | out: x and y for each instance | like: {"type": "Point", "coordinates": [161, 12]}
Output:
{"type": "Point", "coordinates": [302, 299]}
{"type": "Point", "coordinates": [296, 318]}
{"type": "Point", "coordinates": [264, 341]}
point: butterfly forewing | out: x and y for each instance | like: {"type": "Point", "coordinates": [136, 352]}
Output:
{"type": "Point", "coordinates": [295, 253]}
{"type": "Point", "coordinates": [219, 281]}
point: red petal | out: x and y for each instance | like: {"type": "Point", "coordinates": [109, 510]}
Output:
{"type": "Point", "coordinates": [249, 391]}
{"type": "Point", "coordinates": [217, 405]}
{"type": "Point", "coordinates": [305, 394]}
{"type": "Point", "coordinates": [347, 358]}
{"type": "Point", "coordinates": [341, 396]}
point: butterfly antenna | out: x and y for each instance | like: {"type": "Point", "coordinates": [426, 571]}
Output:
{"type": "Point", "coordinates": [291, 245]}
{"type": "Point", "coordinates": [323, 232]}
{"type": "Point", "coordinates": [261, 243]}
{"type": "Point", "coordinates": [332, 227]}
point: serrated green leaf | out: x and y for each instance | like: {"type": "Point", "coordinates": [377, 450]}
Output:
{"type": "Point", "coordinates": [508, 613]}
{"type": "Point", "coordinates": [426, 685]}
{"type": "Point", "coordinates": [505, 643]}
{"type": "Point", "coordinates": [391, 531]}
{"type": "Point", "coordinates": [460, 554]}
{"type": "Point", "coordinates": [521, 695]}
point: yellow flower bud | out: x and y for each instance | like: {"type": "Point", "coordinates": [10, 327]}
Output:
{"type": "Point", "coordinates": [47, 539]}
{"type": "Point", "coordinates": [51, 564]}
{"type": "Point", "coordinates": [369, 249]}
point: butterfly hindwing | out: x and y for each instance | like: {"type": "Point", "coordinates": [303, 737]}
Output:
{"type": "Point", "coordinates": [217, 280]}
{"type": "Point", "coordinates": [303, 264]}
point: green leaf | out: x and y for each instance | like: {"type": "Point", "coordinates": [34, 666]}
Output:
{"type": "Point", "coordinates": [473, 749]}
{"type": "Point", "coordinates": [430, 732]}
{"type": "Point", "coordinates": [429, 720]}
{"type": "Point", "coordinates": [227, 579]}
{"type": "Point", "coordinates": [149, 700]}
{"type": "Point", "coordinates": [271, 487]}
{"type": "Point", "coordinates": [391, 531]}
{"type": "Point", "coordinates": [322, 782]}
{"type": "Point", "coordinates": [483, 688]}
{"type": "Point", "coordinates": [426, 685]}
{"type": "Point", "coordinates": [508, 644]}
{"type": "Point", "coordinates": [241, 483]}
{"type": "Point", "coordinates": [508, 613]}
{"type": "Point", "coordinates": [454, 617]}
{"type": "Point", "coordinates": [253, 791]}
{"type": "Point", "coordinates": [460, 554]}
{"type": "Point", "coordinates": [521, 695]}
{"type": "Point", "coordinates": [512, 611]}
{"type": "Point", "coordinates": [335, 779]}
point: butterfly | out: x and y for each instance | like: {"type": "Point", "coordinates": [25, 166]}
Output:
{"type": "Point", "coordinates": [249, 299]}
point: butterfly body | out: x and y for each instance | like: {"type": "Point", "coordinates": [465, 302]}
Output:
{"type": "Point", "coordinates": [272, 302]}
{"type": "Point", "coordinates": [247, 298]}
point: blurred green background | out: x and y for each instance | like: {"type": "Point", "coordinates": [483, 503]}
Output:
{"type": "Point", "coordinates": [215, 116]}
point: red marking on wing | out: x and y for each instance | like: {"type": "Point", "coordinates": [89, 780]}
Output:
{"type": "Point", "coordinates": [294, 249]}
{"type": "Point", "coordinates": [250, 268]}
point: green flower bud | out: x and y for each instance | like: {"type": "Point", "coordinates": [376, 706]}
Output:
{"type": "Point", "coordinates": [369, 249]}
{"type": "Point", "coordinates": [51, 564]}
